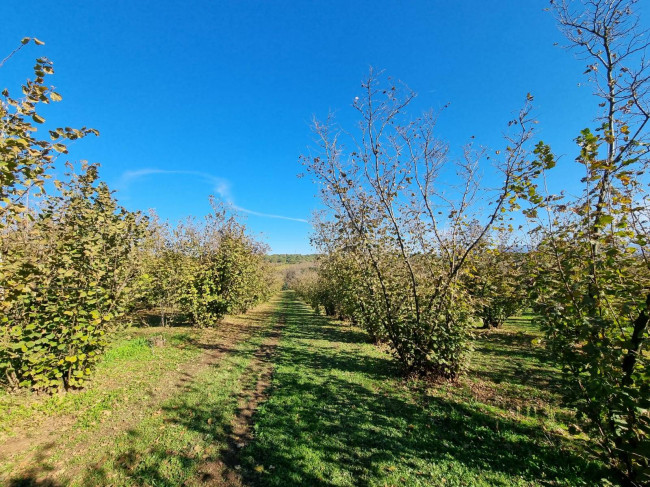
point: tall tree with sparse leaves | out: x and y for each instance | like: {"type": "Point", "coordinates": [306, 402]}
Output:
{"type": "Point", "coordinates": [410, 234]}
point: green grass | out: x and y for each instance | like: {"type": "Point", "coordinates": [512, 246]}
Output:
{"type": "Point", "coordinates": [128, 363]}
{"type": "Point", "coordinates": [340, 414]}
{"type": "Point", "coordinates": [164, 442]}
{"type": "Point", "coordinates": [167, 448]}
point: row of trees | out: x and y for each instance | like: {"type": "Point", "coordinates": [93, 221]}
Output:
{"type": "Point", "coordinates": [68, 271]}
{"type": "Point", "coordinates": [74, 265]}
{"type": "Point", "coordinates": [497, 280]}
{"type": "Point", "coordinates": [592, 282]}
{"type": "Point", "coordinates": [203, 271]}
{"type": "Point", "coordinates": [290, 258]}
{"type": "Point", "coordinates": [417, 260]}
{"type": "Point", "coordinates": [404, 232]}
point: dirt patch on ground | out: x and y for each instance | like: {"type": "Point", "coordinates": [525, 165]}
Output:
{"type": "Point", "coordinates": [31, 446]}
{"type": "Point", "coordinates": [48, 432]}
{"type": "Point", "coordinates": [225, 471]}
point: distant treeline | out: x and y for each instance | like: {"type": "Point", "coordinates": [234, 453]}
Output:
{"type": "Point", "coordinates": [290, 258]}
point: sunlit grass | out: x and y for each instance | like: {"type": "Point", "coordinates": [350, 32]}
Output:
{"type": "Point", "coordinates": [340, 414]}
{"type": "Point", "coordinates": [128, 362]}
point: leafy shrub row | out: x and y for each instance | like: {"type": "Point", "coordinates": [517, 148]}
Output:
{"type": "Point", "coordinates": [74, 264]}
{"type": "Point", "coordinates": [204, 271]}
{"type": "Point", "coordinates": [67, 276]}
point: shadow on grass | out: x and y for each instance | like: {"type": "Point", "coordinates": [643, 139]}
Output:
{"type": "Point", "coordinates": [142, 466]}
{"type": "Point", "coordinates": [31, 480]}
{"type": "Point", "coordinates": [335, 332]}
{"type": "Point", "coordinates": [147, 463]}
{"type": "Point", "coordinates": [36, 475]}
{"type": "Point", "coordinates": [331, 415]}
{"type": "Point", "coordinates": [339, 414]}
{"type": "Point", "coordinates": [511, 357]}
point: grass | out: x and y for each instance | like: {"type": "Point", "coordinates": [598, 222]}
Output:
{"type": "Point", "coordinates": [127, 430]}
{"type": "Point", "coordinates": [128, 364]}
{"type": "Point", "coordinates": [337, 413]}
{"type": "Point", "coordinates": [340, 414]}
{"type": "Point", "coordinates": [168, 448]}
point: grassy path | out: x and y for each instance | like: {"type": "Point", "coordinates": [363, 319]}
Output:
{"type": "Point", "coordinates": [339, 414]}
{"type": "Point", "coordinates": [284, 397]}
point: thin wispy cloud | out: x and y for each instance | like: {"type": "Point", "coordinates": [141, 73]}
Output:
{"type": "Point", "coordinates": [268, 215]}
{"type": "Point", "coordinates": [220, 186]}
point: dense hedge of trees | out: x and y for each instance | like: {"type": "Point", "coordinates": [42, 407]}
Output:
{"type": "Point", "coordinates": [67, 275]}
{"type": "Point", "coordinates": [74, 264]}
{"type": "Point", "coordinates": [592, 272]}
{"type": "Point", "coordinates": [290, 258]}
{"type": "Point", "coordinates": [203, 270]}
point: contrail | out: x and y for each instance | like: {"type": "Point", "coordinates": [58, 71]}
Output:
{"type": "Point", "coordinates": [221, 187]}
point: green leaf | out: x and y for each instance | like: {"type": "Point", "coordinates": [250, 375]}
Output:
{"type": "Point", "coordinates": [604, 220]}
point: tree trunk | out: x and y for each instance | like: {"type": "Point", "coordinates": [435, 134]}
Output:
{"type": "Point", "coordinates": [640, 327]}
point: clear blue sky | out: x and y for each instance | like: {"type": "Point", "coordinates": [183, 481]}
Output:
{"type": "Point", "coordinates": [200, 97]}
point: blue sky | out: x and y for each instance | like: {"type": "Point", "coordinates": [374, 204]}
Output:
{"type": "Point", "coordinates": [208, 97]}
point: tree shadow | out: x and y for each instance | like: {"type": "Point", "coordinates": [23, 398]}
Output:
{"type": "Point", "coordinates": [154, 464]}
{"type": "Point", "coordinates": [37, 474]}
{"type": "Point", "coordinates": [129, 465]}
{"type": "Point", "coordinates": [515, 360]}
{"type": "Point", "coordinates": [32, 480]}
{"type": "Point", "coordinates": [157, 465]}
{"type": "Point", "coordinates": [329, 404]}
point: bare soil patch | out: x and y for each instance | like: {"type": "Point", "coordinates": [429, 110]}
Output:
{"type": "Point", "coordinates": [226, 471]}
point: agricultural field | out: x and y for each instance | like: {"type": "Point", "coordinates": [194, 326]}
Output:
{"type": "Point", "coordinates": [283, 396]}
{"type": "Point", "coordinates": [262, 284]}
